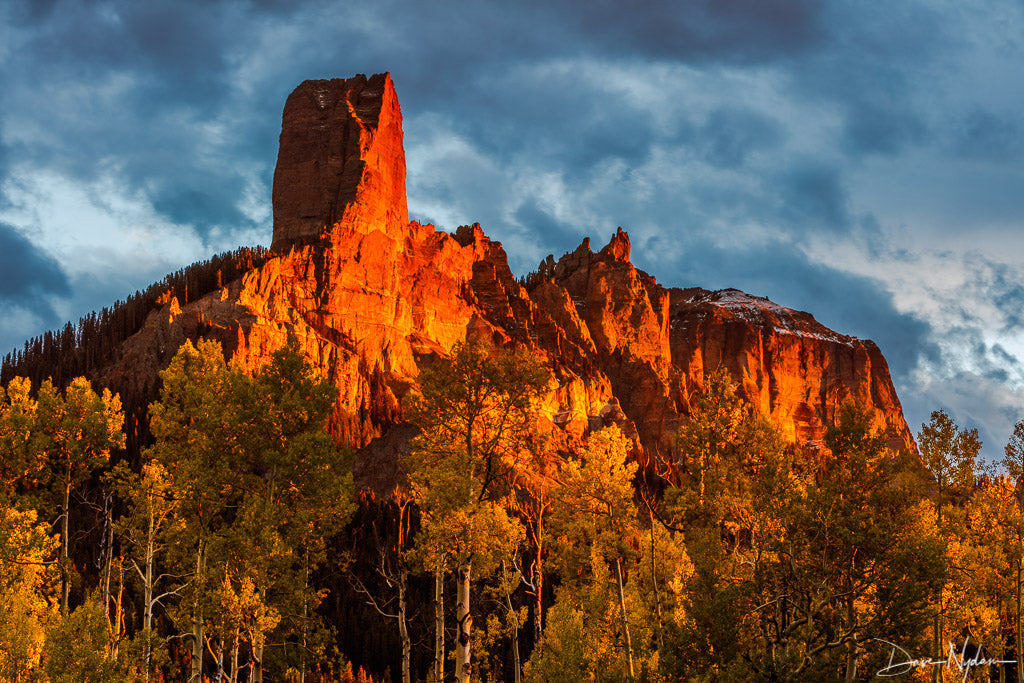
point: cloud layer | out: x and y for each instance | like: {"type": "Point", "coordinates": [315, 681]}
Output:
{"type": "Point", "coordinates": [859, 162]}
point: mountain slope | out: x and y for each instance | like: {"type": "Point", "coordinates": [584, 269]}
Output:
{"type": "Point", "coordinates": [372, 297]}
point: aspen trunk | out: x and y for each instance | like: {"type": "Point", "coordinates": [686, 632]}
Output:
{"type": "Point", "coordinates": [147, 613]}
{"type": "Point", "coordinates": [538, 605]}
{"type": "Point", "coordinates": [234, 657]}
{"type": "Point", "coordinates": [1017, 645]}
{"type": "Point", "coordinates": [625, 622]}
{"type": "Point", "coordinates": [305, 616]}
{"type": "Point", "coordinates": [65, 570]}
{"type": "Point", "coordinates": [999, 611]}
{"type": "Point", "coordinates": [657, 593]}
{"type": "Point", "coordinates": [257, 650]}
{"type": "Point", "coordinates": [851, 653]}
{"type": "Point", "coordinates": [118, 609]}
{"type": "Point", "coordinates": [515, 634]}
{"type": "Point", "coordinates": [403, 630]}
{"type": "Point", "coordinates": [196, 674]}
{"type": "Point", "coordinates": [538, 577]}
{"type": "Point", "coordinates": [108, 535]}
{"type": "Point", "coordinates": [438, 627]}
{"type": "Point", "coordinates": [219, 676]}
{"type": "Point", "coordinates": [463, 668]}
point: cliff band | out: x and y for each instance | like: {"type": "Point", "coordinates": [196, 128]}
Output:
{"type": "Point", "coordinates": [372, 296]}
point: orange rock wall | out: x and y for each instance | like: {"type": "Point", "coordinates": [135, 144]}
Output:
{"type": "Point", "coordinates": [372, 297]}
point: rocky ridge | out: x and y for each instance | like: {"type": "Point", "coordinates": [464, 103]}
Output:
{"type": "Point", "coordinates": [372, 297]}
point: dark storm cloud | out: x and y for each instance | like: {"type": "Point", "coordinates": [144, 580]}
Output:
{"type": "Point", "coordinates": [468, 59]}
{"type": "Point", "coordinates": [732, 30]}
{"type": "Point", "coordinates": [203, 206]}
{"type": "Point", "coordinates": [141, 93]}
{"type": "Point", "coordinates": [711, 123]}
{"type": "Point", "coordinates": [567, 120]}
{"type": "Point", "coordinates": [116, 32]}
{"type": "Point", "coordinates": [534, 218]}
{"type": "Point", "coordinates": [813, 198]}
{"type": "Point", "coordinates": [731, 134]}
{"type": "Point", "coordinates": [29, 277]}
{"type": "Point", "coordinates": [870, 72]}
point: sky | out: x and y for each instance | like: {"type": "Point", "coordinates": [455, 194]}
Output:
{"type": "Point", "coordinates": [862, 161]}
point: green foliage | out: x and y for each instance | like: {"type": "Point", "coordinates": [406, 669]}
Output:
{"type": "Point", "coordinates": [761, 560]}
{"type": "Point", "coordinates": [594, 518]}
{"type": "Point", "coordinates": [728, 458]}
{"type": "Point", "coordinates": [77, 648]}
{"type": "Point", "coordinates": [1014, 460]}
{"type": "Point", "coordinates": [565, 655]}
{"type": "Point", "coordinates": [948, 452]}
{"type": "Point", "coordinates": [476, 413]}
{"type": "Point", "coordinates": [259, 488]}
{"type": "Point", "coordinates": [480, 408]}
{"type": "Point", "coordinates": [799, 557]}
{"type": "Point", "coordinates": [53, 444]}
{"type": "Point", "coordinates": [863, 559]}
{"type": "Point", "coordinates": [77, 431]}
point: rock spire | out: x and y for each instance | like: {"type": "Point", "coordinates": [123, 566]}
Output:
{"type": "Point", "coordinates": [341, 161]}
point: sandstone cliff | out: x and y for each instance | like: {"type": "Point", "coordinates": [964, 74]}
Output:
{"type": "Point", "coordinates": [372, 297]}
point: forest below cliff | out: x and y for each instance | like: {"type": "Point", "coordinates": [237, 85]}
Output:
{"type": "Point", "coordinates": [234, 546]}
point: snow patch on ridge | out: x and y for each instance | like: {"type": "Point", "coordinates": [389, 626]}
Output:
{"type": "Point", "coordinates": [759, 310]}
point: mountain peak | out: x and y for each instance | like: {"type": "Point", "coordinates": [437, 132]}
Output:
{"type": "Point", "coordinates": [341, 161]}
{"type": "Point", "coordinates": [618, 248]}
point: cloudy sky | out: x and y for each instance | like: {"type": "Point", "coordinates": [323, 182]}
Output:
{"type": "Point", "coordinates": [863, 161]}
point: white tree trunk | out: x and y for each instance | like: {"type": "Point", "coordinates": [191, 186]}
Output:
{"type": "Point", "coordinates": [625, 622]}
{"type": "Point", "coordinates": [65, 569]}
{"type": "Point", "coordinates": [463, 668]}
{"type": "Point", "coordinates": [196, 674]}
{"type": "Point", "coordinates": [403, 630]}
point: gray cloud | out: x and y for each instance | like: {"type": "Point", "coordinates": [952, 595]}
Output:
{"type": "Point", "coordinates": [531, 216]}
{"type": "Point", "coordinates": [988, 136]}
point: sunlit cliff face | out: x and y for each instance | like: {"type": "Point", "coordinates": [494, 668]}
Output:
{"type": "Point", "coordinates": [372, 297]}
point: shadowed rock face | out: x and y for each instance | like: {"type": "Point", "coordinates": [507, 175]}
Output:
{"type": "Point", "coordinates": [372, 297]}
